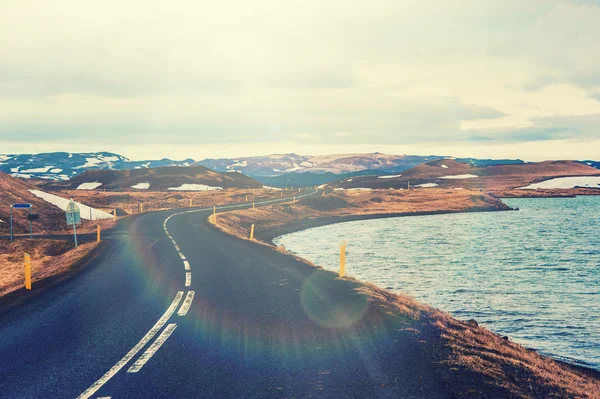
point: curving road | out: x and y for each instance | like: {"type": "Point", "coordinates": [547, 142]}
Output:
{"type": "Point", "coordinates": [176, 309]}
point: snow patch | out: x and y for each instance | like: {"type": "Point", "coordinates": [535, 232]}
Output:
{"type": "Point", "coordinates": [467, 176]}
{"type": "Point", "coordinates": [141, 186]}
{"type": "Point", "coordinates": [388, 176]}
{"type": "Point", "coordinates": [427, 185]}
{"type": "Point", "coordinates": [237, 163]}
{"type": "Point", "coordinates": [194, 187]}
{"type": "Point", "coordinates": [271, 188]}
{"type": "Point", "coordinates": [21, 175]}
{"type": "Point", "coordinates": [63, 202]}
{"type": "Point", "coordinates": [566, 182]}
{"type": "Point", "coordinates": [89, 185]}
{"type": "Point", "coordinates": [37, 170]}
{"type": "Point", "coordinates": [443, 166]}
{"type": "Point", "coordinates": [55, 170]}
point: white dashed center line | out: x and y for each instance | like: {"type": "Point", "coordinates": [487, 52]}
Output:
{"type": "Point", "coordinates": [152, 349]}
{"type": "Point", "coordinates": [185, 306]}
{"type": "Point", "coordinates": [188, 279]}
{"type": "Point", "coordinates": [149, 335]}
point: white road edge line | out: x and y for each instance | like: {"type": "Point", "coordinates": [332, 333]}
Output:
{"type": "Point", "coordinates": [152, 348]}
{"type": "Point", "coordinates": [149, 335]}
{"type": "Point", "coordinates": [185, 306]}
{"type": "Point", "coordinates": [188, 279]}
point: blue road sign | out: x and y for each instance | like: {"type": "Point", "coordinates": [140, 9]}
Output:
{"type": "Point", "coordinates": [21, 205]}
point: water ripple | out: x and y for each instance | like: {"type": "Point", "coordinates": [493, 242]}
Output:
{"type": "Point", "coordinates": [533, 275]}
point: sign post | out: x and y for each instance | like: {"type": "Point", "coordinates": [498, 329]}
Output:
{"type": "Point", "coordinates": [73, 217]}
{"type": "Point", "coordinates": [19, 206]}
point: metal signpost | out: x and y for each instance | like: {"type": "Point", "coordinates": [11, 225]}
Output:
{"type": "Point", "coordinates": [20, 206]}
{"type": "Point", "coordinates": [73, 217]}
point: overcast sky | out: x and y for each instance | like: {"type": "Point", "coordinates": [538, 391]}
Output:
{"type": "Point", "coordinates": [153, 79]}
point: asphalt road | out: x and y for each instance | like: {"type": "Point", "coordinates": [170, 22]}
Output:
{"type": "Point", "coordinates": [260, 324]}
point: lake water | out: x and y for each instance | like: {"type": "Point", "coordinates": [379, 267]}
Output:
{"type": "Point", "coordinates": [533, 275]}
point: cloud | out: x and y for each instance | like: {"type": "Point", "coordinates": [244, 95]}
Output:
{"type": "Point", "coordinates": [298, 72]}
{"type": "Point", "coordinates": [475, 112]}
{"type": "Point", "coordinates": [563, 39]}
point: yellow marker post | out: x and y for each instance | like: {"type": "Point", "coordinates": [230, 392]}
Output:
{"type": "Point", "coordinates": [294, 199]}
{"type": "Point", "coordinates": [323, 193]}
{"type": "Point", "coordinates": [252, 232]}
{"type": "Point", "coordinates": [141, 208]}
{"type": "Point", "coordinates": [246, 198]}
{"type": "Point", "coordinates": [253, 206]}
{"type": "Point", "coordinates": [214, 214]}
{"type": "Point", "coordinates": [115, 215]}
{"type": "Point", "coordinates": [27, 271]}
{"type": "Point", "coordinates": [343, 259]}
{"type": "Point", "coordinates": [190, 202]}
{"type": "Point", "coordinates": [97, 233]}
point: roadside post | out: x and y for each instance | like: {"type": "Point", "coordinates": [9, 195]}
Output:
{"type": "Point", "coordinates": [97, 233]}
{"type": "Point", "coordinates": [190, 202]}
{"type": "Point", "coordinates": [215, 214]}
{"type": "Point", "coordinates": [253, 206]}
{"type": "Point", "coordinates": [246, 198]}
{"type": "Point", "coordinates": [114, 215]}
{"type": "Point", "coordinates": [252, 232]}
{"type": "Point", "coordinates": [73, 217]}
{"type": "Point", "coordinates": [31, 217]}
{"type": "Point", "coordinates": [27, 260]}
{"type": "Point", "coordinates": [343, 259]}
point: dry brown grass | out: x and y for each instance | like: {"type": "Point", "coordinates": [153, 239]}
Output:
{"type": "Point", "coordinates": [130, 201]}
{"type": "Point", "coordinates": [350, 202]}
{"type": "Point", "coordinates": [48, 258]}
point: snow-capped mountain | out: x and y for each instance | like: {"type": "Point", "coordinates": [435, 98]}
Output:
{"type": "Point", "coordinates": [282, 164]}
{"type": "Point", "coordinates": [64, 165]}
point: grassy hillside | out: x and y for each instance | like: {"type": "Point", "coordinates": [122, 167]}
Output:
{"type": "Point", "coordinates": [13, 190]}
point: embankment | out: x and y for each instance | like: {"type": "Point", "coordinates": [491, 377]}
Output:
{"type": "Point", "coordinates": [469, 361]}
{"type": "Point", "coordinates": [52, 261]}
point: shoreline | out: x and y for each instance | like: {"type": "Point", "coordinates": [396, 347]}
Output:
{"type": "Point", "coordinates": [306, 224]}
{"type": "Point", "coordinates": [298, 226]}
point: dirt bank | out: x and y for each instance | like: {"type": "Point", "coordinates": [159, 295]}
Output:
{"type": "Point", "coordinates": [49, 258]}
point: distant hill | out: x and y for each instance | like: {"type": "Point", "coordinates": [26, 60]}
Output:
{"type": "Point", "coordinates": [155, 179]}
{"type": "Point", "coordinates": [13, 190]}
{"type": "Point", "coordinates": [449, 173]}
{"type": "Point", "coordinates": [64, 165]}
{"type": "Point", "coordinates": [593, 164]}
{"type": "Point", "coordinates": [307, 179]}
{"type": "Point", "coordinates": [490, 162]}
{"type": "Point", "coordinates": [284, 164]}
